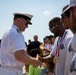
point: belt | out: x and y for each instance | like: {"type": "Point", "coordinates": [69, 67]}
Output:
{"type": "Point", "coordinates": [11, 67]}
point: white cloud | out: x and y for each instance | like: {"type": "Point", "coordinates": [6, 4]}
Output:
{"type": "Point", "coordinates": [47, 13]}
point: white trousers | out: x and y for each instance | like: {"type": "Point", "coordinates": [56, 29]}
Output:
{"type": "Point", "coordinates": [4, 71]}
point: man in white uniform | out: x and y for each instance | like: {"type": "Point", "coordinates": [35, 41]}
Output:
{"type": "Point", "coordinates": [72, 47]}
{"type": "Point", "coordinates": [13, 47]}
{"type": "Point", "coordinates": [60, 45]}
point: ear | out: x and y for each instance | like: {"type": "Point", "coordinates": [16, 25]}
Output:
{"type": "Point", "coordinates": [19, 19]}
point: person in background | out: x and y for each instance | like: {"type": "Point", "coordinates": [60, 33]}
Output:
{"type": "Point", "coordinates": [45, 46]}
{"type": "Point", "coordinates": [51, 41]}
{"type": "Point", "coordinates": [27, 66]}
{"type": "Point", "coordinates": [33, 44]}
{"type": "Point", "coordinates": [32, 69]}
{"type": "Point", "coordinates": [29, 41]}
{"type": "Point", "coordinates": [13, 47]}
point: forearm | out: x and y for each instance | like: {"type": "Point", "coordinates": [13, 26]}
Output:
{"type": "Point", "coordinates": [47, 50]}
{"type": "Point", "coordinates": [48, 58]}
{"type": "Point", "coordinates": [25, 58]}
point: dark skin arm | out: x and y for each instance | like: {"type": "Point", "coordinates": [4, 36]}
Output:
{"type": "Point", "coordinates": [48, 58]}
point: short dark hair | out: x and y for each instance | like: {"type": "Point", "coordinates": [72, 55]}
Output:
{"type": "Point", "coordinates": [34, 52]}
{"type": "Point", "coordinates": [50, 36]}
{"type": "Point", "coordinates": [55, 20]}
{"type": "Point", "coordinates": [65, 7]}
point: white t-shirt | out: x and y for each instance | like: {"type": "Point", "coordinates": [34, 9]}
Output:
{"type": "Point", "coordinates": [12, 41]}
{"type": "Point", "coordinates": [68, 59]}
{"type": "Point", "coordinates": [72, 61]}
{"type": "Point", "coordinates": [60, 66]}
{"type": "Point", "coordinates": [48, 46]}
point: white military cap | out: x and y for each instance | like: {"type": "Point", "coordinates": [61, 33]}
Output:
{"type": "Point", "coordinates": [24, 15]}
{"type": "Point", "coordinates": [71, 4]}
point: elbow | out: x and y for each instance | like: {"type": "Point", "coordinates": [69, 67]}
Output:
{"type": "Point", "coordinates": [18, 57]}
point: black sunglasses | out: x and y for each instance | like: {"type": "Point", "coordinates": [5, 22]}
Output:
{"type": "Point", "coordinates": [26, 23]}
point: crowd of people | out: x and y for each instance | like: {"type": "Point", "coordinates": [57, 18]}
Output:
{"type": "Point", "coordinates": [56, 55]}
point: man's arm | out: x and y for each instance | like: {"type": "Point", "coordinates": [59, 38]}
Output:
{"type": "Point", "coordinates": [26, 59]}
{"type": "Point", "coordinates": [48, 58]}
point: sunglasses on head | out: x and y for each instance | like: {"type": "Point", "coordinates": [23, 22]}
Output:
{"type": "Point", "coordinates": [46, 39]}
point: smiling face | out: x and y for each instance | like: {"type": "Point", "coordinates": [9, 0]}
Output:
{"type": "Point", "coordinates": [56, 27]}
{"type": "Point", "coordinates": [66, 21]}
{"type": "Point", "coordinates": [65, 17]}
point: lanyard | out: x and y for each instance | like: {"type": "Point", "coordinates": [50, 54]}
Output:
{"type": "Point", "coordinates": [59, 42]}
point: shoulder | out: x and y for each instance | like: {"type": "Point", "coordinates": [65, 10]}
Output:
{"type": "Point", "coordinates": [14, 34]}
{"type": "Point", "coordinates": [69, 34]}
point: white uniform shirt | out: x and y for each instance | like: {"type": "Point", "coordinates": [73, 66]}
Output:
{"type": "Point", "coordinates": [12, 41]}
{"type": "Point", "coordinates": [60, 66]}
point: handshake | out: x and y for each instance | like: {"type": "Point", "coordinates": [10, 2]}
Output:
{"type": "Point", "coordinates": [46, 62]}
{"type": "Point", "coordinates": [39, 61]}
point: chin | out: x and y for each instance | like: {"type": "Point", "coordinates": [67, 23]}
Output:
{"type": "Point", "coordinates": [24, 29]}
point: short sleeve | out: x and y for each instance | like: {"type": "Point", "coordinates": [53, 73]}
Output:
{"type": "Point", "coordinates": [17, 42]}
{"type": "Point", "coordinates": [53, 52]}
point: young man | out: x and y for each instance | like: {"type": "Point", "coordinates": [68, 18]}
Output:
{"type": "Point", "coordinates": [67, 24]}
{"type": "Point", "coordinates": [13, 47]}
{"type": "Point", "coordinates": [72, 47]}
{"type": "Point", "coordinates": [58, 54]}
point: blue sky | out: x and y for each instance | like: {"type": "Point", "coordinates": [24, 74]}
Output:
{"type": "Point", "coordinates": [42, 10]}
